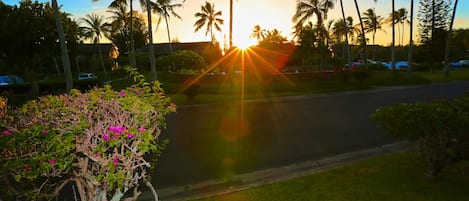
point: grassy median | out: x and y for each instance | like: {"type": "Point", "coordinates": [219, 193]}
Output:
{"type": "Point", "coordinates": [387, 178]}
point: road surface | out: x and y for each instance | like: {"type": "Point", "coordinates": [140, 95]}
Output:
{"type": "Point", "coordinates": [216, 141]}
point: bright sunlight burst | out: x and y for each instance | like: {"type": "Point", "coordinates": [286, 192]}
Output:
{"type": "Point", "coordinates": [245, 43]}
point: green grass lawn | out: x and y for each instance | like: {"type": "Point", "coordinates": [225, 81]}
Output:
{"type": "Point", "coordinates": [222, 92]}
{"type": "Point", "coordinates": [397, 177]}
{"type": "Point", "coordinates": [225, 90]}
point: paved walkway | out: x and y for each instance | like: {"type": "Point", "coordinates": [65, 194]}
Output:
{"type": "Point", "coordinates": [268, 176]}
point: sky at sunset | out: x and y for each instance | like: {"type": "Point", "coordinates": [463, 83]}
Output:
{"type": "Point", "coordinates": [269, 14]}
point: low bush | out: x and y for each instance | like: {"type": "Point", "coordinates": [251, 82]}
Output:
{"type": "Point", "coordinates": [96, 140]}
{"type": "Point", "coordinates": [437, 127]}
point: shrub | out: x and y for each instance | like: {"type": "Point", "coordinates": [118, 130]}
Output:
{"type": "Point", "coordinates": [96, 140]}
{"type": "Point", "coordinates": [435, 126]}
{"type": "Point", "coordinates": [187, 59]}
{"type": "Point", "coordinates": [361, 74]}
{"type": "Point", "coordinates": [191, 88]}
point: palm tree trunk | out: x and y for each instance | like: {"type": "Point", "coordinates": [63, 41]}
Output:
{"type": "Point", "coordinates": [393, 43]}
{"type": "Point", "coordinates": [63, 48]}
{"type": "Point", "coordinates": [411, 40]}
{"type": "Point", "coordinates": [374, 45]}
{"type": "Point", "coordinates": [448, 39]}
{"type": "Point", "coordinates": [101, 60]}
{"type": "Point", "coordinates": [231, 24]}
{"type": "Point", "coordinates": [132, 42]}
{"type": "Point", "coordinates": [151, 49]}
{"type": "Point", "coordinates": [169, 36]}
{"type": "Point", "coordinates": [363, 32]}
{"type": "Point", "coordinates": [349, 56]}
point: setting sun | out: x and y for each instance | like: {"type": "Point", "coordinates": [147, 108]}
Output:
{"type": "Point", "coordinates": [246, 43]}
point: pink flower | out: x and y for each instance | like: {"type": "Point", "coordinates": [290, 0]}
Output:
{"type": "Point", "coordinates": [96, 155]}
{"type": "Point", "coordinates": [27, 168]}
{"type": "Point", "coordinates": [115, 160]}
{"type": "Point", "coordinates": [105, 137]}
{"type": "Point", "coordinates": [52, 161]}
{"type": "Point", "coordinates": [45, 132]}
{"type": "Point", "coordinates": [172, 105]}
{"type": "Point", "coordinates": [117, 129]}
{"type": "Point", "coordinates": [142, 129]}
{"type": "Point", "coordinates": [122, 93]}
{"type": "Point", "coordinates": [130, 135]}
{"type": "Point", "coordinates": [137, 91]}
{"type": "Point", "coordinates": [6, 132]}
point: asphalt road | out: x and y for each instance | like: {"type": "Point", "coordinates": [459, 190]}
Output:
{"type": "Point", "coordinates": [216, 141]}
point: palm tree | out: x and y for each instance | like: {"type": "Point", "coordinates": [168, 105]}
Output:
{"type": "Point", "coordinates": [306, 9]}
{"type": "Point", "coordinates": [95, 28]}
{"type": "Point", "coordinates": [411, 40]}
{"type": "Point", "coordinates": [402, 19]}
{"type": "Point", "coordinates": [372, 24]}
{"type": "Point", "coordinates": [166, 9]}
{"type": "Point", "coordinates": [393, 43]}
{"type": "Point", "coordinates": [362, 32]}
{"type": "Point", "coordinates": [210, 18]}
{"type": "Point", "coordinates": [120, 23]}
{"type": "Point", "coordinates": [349, 56]}
{"type": "Point", "coordinates": [258, 33]}
{"type": "Point", "coordinates": [146, 6]}
{"type": "Point", "coordinates": [448, 38]}
{"type": "Point", "coordinates": [339, 30]}
{"type": "Point", "coordinates": [231, 24]}
{"type": "Point", "coordinates": [117, 4]}
{"type": "Point", "coordinates": [63, 48]}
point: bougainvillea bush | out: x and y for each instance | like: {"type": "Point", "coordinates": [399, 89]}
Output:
{"type": "Point", "coordinates": [98, 141]}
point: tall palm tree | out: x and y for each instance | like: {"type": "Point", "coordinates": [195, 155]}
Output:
{"type": "Point", "coordinates": [349, 56]}
{"type": "Point", "coordinates": [448, 38]}
{"type": "Point", "coordinates": [306, 9]}
{"type": "Point", "coordinates": [372, 24]}
{"type": "Point", "coordinates": [231, 24]}
{"type": "Point", "coordinates": [258, 33]}
{"type": "Point", "coordinates": [165, 8]}
{"type": "Point", "coordinates": [146, 6]}
{"type": "Point", "coordinates": [362, 32]}
{"type": "Point", "coordinates": [393, 43]}
{"type": "Point", "coordinates": [95, 28]}
{"type": "Point", "coordinates": [402, 19]}
{"type": "Point", "coordinates": [339, 30]}
{"type": "Point", "coordinates": [63, 48]}
{"type": "Point", "coordinates": [411, 36]}
{"type": "Point", "coordinates": [116, 4]}
{"type": "Point", "coordinates": [210, 18]}
{"type": "Point", "coordinates": [120, 23]}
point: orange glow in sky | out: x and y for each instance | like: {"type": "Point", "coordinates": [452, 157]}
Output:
{"type": "Point", "coordinates": [269, 14]}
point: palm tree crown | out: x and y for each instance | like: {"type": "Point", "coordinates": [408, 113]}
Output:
{"type": "Point", "coordinates": [306, 9]}
{"type": "Point", "coordinates": [166, 9]}
{"type": "Point", "coordinates": [258, 33]}
{"type": "Point", "coordinates": [210, 18]}
{"type": "Point", "coordinates": [95, 27]}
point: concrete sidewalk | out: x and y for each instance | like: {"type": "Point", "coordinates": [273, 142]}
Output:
{"type": "Point", "coordinates": [268, 176]}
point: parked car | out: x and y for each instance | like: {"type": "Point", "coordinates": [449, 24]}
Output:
{"type": "Point", "coordinates": [460, 63]}
{"type": "Point", "coordinates": [10, 79]}
{"type": "Point", "coordinates": [397, 64]}
{"type": "Point", "coordinates": [87, 76]}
